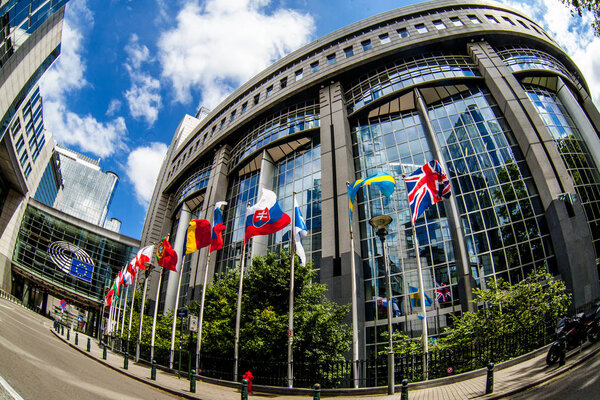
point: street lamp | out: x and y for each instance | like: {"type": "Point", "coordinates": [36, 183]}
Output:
{"type": "Point", "coordinates": [380, 223]}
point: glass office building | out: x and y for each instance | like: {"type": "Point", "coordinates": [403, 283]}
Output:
{"type": "Point", "coordinates": [476, 85]}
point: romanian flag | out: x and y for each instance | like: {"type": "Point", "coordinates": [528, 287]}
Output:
{"type": "Point", "coordinates": [384, 182]}
{"type": "Point", "coordinates": [166, 256]}
{"type": "Point", "coordinates": [216, 237]}
{"type": "Point", "coordinates": [197, 236]}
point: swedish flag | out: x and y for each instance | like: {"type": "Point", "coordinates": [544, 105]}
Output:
{"type": "Point", "coordinates": [415, 297]}
{"type": "Point", "coordinates": [384, 182]}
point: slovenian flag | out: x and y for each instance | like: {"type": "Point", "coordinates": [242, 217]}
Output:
{"type": "Point", "coordinates": [216, 237]}
{"type": "Point", "coordinates": [197, 236]}
{"type": "Point", "coordinates": [300, 231]}
{"type": "Point", "coordinates": [265, 217]}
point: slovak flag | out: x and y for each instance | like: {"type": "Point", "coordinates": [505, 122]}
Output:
{"type": "Point", "coordinates": [426, 186]}
{"type": "Point", "coordinates": [265, 217]}
{"type": "Point", "coordinates": [300, 231]}
{"type": "Point", "coordinates": [216, 236]}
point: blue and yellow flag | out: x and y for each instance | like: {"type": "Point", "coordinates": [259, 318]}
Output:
{"type": "Point", "coordinates": [384, 182]}
{"type": "Point", "coordinates": [415, 297]}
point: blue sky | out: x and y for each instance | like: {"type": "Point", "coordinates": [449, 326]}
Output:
{"type": "Point", "coordinates": [130, 70]}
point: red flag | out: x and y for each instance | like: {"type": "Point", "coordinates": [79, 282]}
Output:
{"type": "Point", "coordinates": [142, 259]}
{"type": "Point", "coordinates": [197, 236]}
{"type": "Point", "coordinates": [166, 256]}
{"type": "Point", "coordinates": [216, 238]}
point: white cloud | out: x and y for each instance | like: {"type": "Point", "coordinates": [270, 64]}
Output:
{"type": "Point", "coordinates": [67, 75]}
{"type": "Point", "coordinates": [143, 166]}
{"type": "Point", "coordinates": [572, 33]}
{"type": "Point", "coordinates": [113, 107]}
{"type": "Point", "coordinates": [143, 97]}
{"type": "Point", "coordinates": [220, 45]}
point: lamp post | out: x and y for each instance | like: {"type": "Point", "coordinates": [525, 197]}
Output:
{"type": "Point", "coordinates": [380, 223]}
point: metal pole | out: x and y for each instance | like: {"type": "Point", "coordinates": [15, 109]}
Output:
{"type": "Point", "coordinates": [155, 313]}
{"type": "Point", "coordinates": [354, 307]}
{"type": "Point", "coordinates": [388, 284]}
{"type": "Point", "coordinates": [174, 326]}
{"type": "Point", "coordinates": [290, 369]}
{"type": "Point", "coordinates": [131, 311]}
{"type": "Point", "coordinates": [124, 312]}
{"type": "Point", "coordinates": [201, 316]}
{"type": "Point", "coordinates": [422, 299]}
{"type": "Point", "coordinates": [238, 316]}
{"type": "Point", "coordinates": [139, 338]}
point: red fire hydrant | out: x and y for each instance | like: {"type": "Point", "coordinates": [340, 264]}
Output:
{"type": "Point", "coordinates": [249, 377]}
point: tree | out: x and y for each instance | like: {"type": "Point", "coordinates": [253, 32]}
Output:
{"type": "Point", "coordinates": [579, 6]}
{"type": "Point", "coordinates": [319, 332]}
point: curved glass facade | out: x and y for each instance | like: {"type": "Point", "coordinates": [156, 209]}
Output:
{"type": "Point", "coordinates": [405, 73]}
{"type": "Point", "coordinates": [574, 152]}
{"type": "Point", "coordinates": [196, 182]}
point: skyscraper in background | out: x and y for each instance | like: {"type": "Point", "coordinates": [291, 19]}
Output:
{"type": "Point", "coordinates": [87, 191]}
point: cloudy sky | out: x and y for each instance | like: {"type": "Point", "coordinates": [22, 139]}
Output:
{"type": "Point", "coordinates": [130, 70]}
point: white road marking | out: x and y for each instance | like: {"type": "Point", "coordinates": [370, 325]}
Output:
{"type": "Point", "coordinates": [9, 389]}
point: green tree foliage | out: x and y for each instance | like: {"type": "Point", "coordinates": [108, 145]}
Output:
{"type": "Point", "coordinates": [579, 6]}
{"type": "Point", "coordinates": [319, 333]}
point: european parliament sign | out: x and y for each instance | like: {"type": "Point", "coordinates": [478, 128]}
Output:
{"type": "Point", "coordinates": [71, 260]}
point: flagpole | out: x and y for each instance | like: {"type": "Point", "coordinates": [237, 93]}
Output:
{"type": "Point", "coordinates": [201, 316]}
{"type": "Point", "coordinates": [139, 338]}
{"type": "Point", "coordinates": [131, 311]}
{"type": "Point", "coordinates": [290, 369]}
{"type": "Point", "coordinates": [238, 315]}
{"type": "Point", "coordinates": [172, 351]}
{"type": "Point", "coordinates": [422, 300]}
{"type": "Point", "coordinates": [155, 313]}
{"type": "Point", "coordinates": [354, 307]}
{"type": "Point", "coordinates": [124, 311]}
{"type": "Point", "coordinates": [118, 316]}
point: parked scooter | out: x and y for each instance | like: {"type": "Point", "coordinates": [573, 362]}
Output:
{"type": "Point", "coordinates": [574, 331]}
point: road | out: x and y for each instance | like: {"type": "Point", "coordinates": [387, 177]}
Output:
{"type": "Point", "coordinates": [582, 382]}
{"type": "Point", "coordinates": [37, 365]}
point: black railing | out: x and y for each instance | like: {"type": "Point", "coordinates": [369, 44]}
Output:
{"type": "Point", "coordinates": [442, 361]}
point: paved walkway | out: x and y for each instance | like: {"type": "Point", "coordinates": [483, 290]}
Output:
{"type": "Point", "coordinates": [507, 381]}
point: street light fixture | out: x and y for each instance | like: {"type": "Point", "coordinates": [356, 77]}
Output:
{"type": "Point", "coordinates": [380, 223]}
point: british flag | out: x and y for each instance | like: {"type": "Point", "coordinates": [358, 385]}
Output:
{"type": "Point", "coordinates": [426, 186]}
{"type": "Point", "coordinates": [442, 292]}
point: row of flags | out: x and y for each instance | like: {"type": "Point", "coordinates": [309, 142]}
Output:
{"type": "Point", "coordinates": [126, 276]}
{"type": "Point", "coordinates": [441, 291]}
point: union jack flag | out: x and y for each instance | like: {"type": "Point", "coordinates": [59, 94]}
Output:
{"type": "Point", "coordinates": [442, 292]}
{"type": "Point", "coordinates": [426, 186]}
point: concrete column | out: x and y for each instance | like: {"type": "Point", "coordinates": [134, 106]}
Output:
{"type": "Point", "coordinates": [265, 181]}
{"type": "Point", "coordinates": [25, 292]}
{"type": "Point", "coordinates": [337, 168]}
{"type": "Point", "coordinates": [184, 221]}
{"type": "Point", "coordinates": [571, 238]}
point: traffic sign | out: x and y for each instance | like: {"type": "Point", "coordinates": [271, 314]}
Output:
{"type": "Point", "coordinates": [193, 323]}
{"type": "Point", "coordinates": [182, 312]}
{"type": "Point", "coordinates": [63, 304]}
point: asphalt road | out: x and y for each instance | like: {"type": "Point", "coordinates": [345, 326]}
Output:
{"type": "Point", "coordinates": [582, 382]}
{"type": "Point", "coordinates": [39, 366]}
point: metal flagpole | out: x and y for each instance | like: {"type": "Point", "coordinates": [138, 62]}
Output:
{"type": "Point", "coordinates": [354, 307]}
{"type": "Point", "coordinates": [155, 313]}
{"type": "Point", "coordinates": [238, 316]}
{"type": "Point", "coordinates": [124, 311]}
{"type": "Point", "coordinates": [422, 300]}
{"type": "Point", "coordinates": [131, 311]}
{"type": "Point", "coordinates": [172, 351]}
{"type": "Point", "coordinates": [139, 337]}
{"type": "Point", "coordinates": [201, 316]}
{"type": "Point", "coordinates": [119, 306]}
{"type": "Point", "coordinates": [290, 369]}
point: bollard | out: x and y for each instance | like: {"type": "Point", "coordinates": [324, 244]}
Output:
{"type": "Point", "coordinates": [193, 381]}
{"type": "Point", "coordinates": [76, 338]}
{"type": "Point", "coordinates": [62, 330]}
{"type": "Point", "coordinates": [317, 394]}
{"type": "Point", "coordinates": [563, 354]}
{"type": "Point", "coordinates": [489, 384]}
{"type": "Point", "coordinates": [126, 361]}
{"type": "Point", "coordinates": [89, 345]}
{"type": "Point", "coordinates": [104, 352]}
{"type": "Point", "coordinates": [244, 389]}
{"type": "Point", "coordinates": [404, 393]}
{"type": "Point", "coordinates": [68, 334]}
{"type": "Point", "coordinates": [153, 370]}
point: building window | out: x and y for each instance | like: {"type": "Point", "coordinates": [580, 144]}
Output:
{"type": "Point", "coordinates": [403, 33]}
{"type": "Point", "coordinates": [492, 19]}
{"type": "Point", "coordinates": [456, 21]}
{"type": "Point", "coordinates": [331, 59]}
{"type": "Point", "coordinates": [256, 99]}
{"type": "Point", "coordinates": [232, 115]}
{"type": "Point", "coordinates": [244, 107]}
{"type": "Point", "coordinates": [298, 75]}
{"type": "Point", "coordinates": [24, 158]}
{"type": "Point", "coordinates": [283, 83]}
{"type": "Point", "coordinates": [439, 24]}
{"type": "Point", "coordinates": [15, 128]}
{"type": "Point", "coordinates": [474, 19]}
{"type": "Point", "coordinates": [269, 91]}
{"type": "Point", "coordinates": [366, 45]}
{"type": "Point", "coordinates": [535, 29]}
{"type": "Point", "coordinates": [314, 67]}
{"type": "Point", "coordinates": [27, 170]}
{"type": "Point", "coordinates": [222, 123]}
{"type": "Point", "coordinates": [421, 28]}
{"type": "Point", "coordinates": [384, 38]}
{"type": "Point", "coordinates": [349, 51]}
{"type": "Point", "coordinates": [212, 133]}
{"type": "Point", "coordinates": [508, 20]}
{"type": "Point", "coordinates": [20, 144]}
{"type": "Point", "coordinates": [523, 24]}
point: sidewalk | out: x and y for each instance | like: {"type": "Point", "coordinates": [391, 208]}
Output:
{"type": "Point", "coordinates": [507, 381]}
